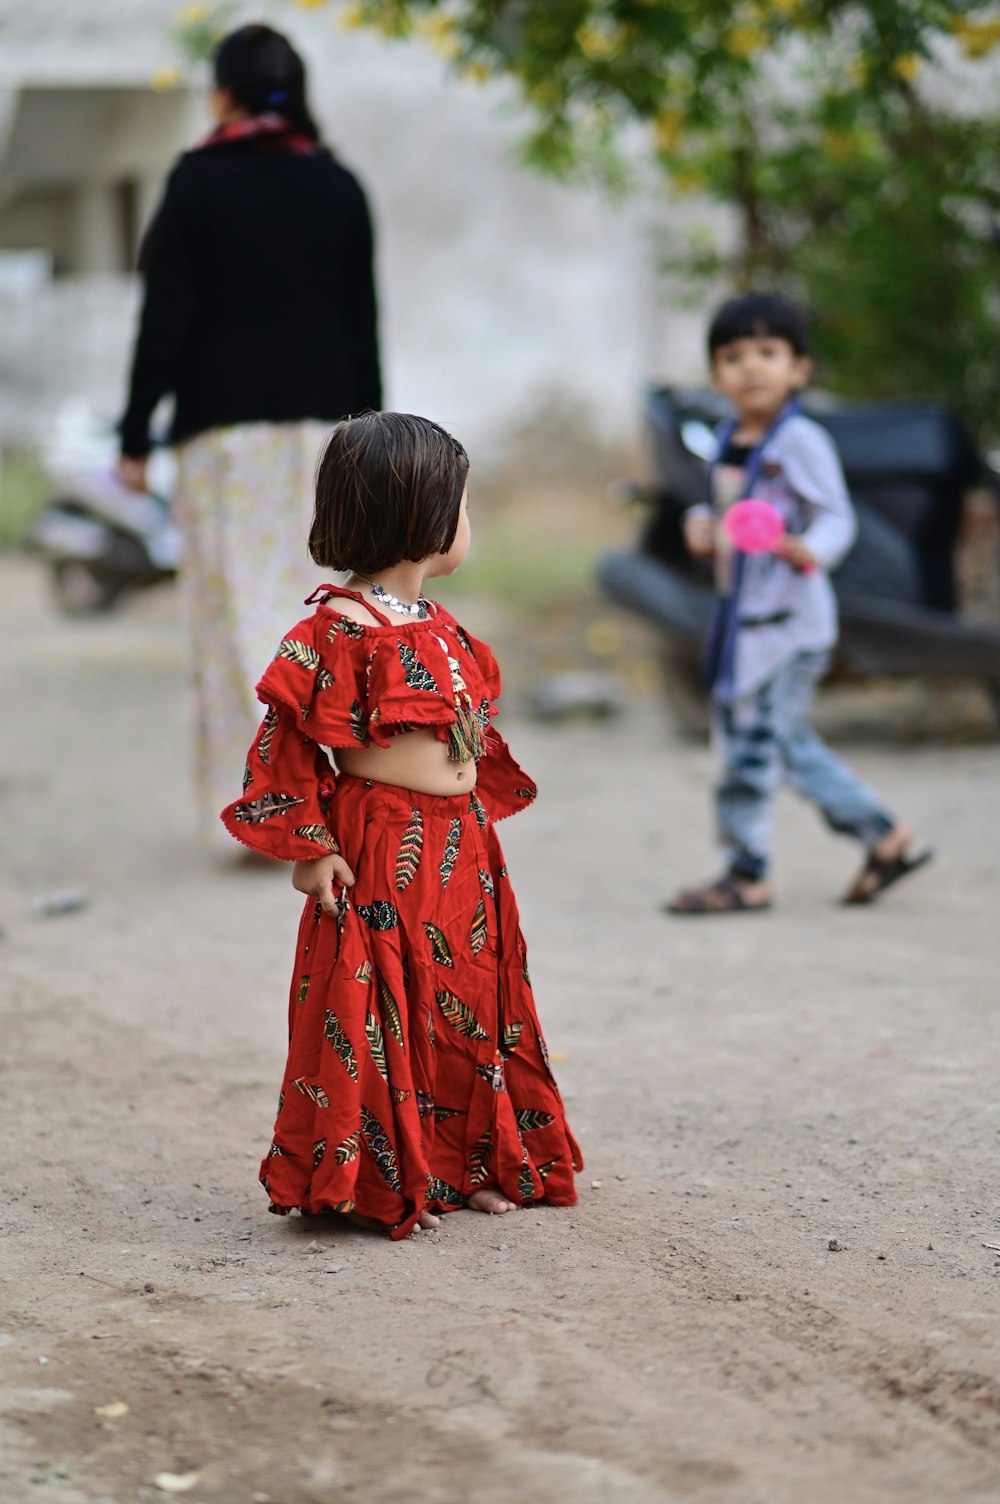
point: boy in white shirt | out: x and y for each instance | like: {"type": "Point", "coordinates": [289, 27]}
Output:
{"type": "Point", "coordinates": [775, 621]}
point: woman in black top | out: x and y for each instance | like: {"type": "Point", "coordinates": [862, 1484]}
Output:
{"type": "Point", "coordinates": [260, 320]}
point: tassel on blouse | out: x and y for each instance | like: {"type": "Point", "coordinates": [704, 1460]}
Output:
{"type": "Point", "coordinates": [465, 736]}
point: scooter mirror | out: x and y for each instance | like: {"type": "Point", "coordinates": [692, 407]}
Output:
{"type": "Point", "coordinates": [699, 439]}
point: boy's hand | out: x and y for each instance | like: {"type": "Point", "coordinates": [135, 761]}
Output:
{"type": "Point", "coordinates": [699, 534]}
{"type": "Point", "coordinates": [316, 880]}
{"type": "Point", "coordinates": [795, 553]}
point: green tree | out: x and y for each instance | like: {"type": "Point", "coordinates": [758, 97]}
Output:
{"type": "Point", "coordinates": [834, 127]}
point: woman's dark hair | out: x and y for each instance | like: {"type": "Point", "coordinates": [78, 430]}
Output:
{"type": "Point", "coordinates": [388, 487]}
{"type": "Point", "coordinates": [758, 315]}
{"type": "Point", "coordinates": [265, 75]}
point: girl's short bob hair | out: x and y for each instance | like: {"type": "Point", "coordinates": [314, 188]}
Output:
{"type": "Point", "coordinates": [389, 487]}
{"type": "Point", "coordinates": [759, 315]}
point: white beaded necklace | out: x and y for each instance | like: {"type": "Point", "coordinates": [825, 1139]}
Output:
{"type": "Point", "coordinates": [420, 609]}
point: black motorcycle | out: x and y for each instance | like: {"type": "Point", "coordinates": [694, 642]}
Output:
{"type": "Point", "coordinates": [100, 540]}
{"type": "Point", "coordinates": [908, 468]}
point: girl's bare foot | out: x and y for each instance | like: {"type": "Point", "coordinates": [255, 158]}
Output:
{"type": "Point", "coordinates": [490, 1201]}
{"type": "Point", "coordinates": [368, 1223]}
{"type": "Point", "coordinates": [426, 1221]}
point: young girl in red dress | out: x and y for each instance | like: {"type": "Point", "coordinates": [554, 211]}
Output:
{"type": "Point", "coordinates": [417, 1080]}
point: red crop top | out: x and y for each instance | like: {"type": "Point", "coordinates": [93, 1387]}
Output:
{"type": "Point", "coordinates": [335, 682]}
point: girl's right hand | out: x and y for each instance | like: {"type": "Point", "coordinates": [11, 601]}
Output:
{"type": "Point", "coordinates": [699, 534]}
{"type": "Point", "coordinates": [316, 880]}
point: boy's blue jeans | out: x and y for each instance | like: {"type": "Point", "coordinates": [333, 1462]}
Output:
{"type": "Point", "coordinates": [765, 737]}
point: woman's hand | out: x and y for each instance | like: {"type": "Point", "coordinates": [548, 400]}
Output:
{"type": "Point", "coordinates": [132, 472]}
{"type": "Point", "coordinates": [699, 534]}
{"type": "Point", "coordinates": [316, 880]}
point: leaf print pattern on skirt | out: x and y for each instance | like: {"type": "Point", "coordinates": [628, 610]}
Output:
{"type": "Point", "coordinates": [423, 1039]}
{"type": "Point", "coordinates": [410, 848]}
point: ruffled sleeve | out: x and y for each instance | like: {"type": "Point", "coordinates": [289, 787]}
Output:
{"type": "Point", "coordinates": [315, 693]}
{"type": "Point", "coordinates": [320, 676]}
{"type": "Point", "coordinates": [288, 794]}
{"type": "Point", "coordinates": [502, 784]}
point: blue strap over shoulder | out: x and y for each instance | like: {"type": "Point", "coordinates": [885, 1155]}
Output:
{"type": "Point", "coordinates": [720, 649]}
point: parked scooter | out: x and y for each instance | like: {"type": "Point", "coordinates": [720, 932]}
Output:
{"type": "Point", "coordinates": [908, 468]}
{"type": "Point", "coordinates": [100, 539]}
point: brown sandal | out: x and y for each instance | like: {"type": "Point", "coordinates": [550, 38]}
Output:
{"type": "Point", "coordinates": [885, 871]}
{"type": "Point", "coordinates": [700, 900]}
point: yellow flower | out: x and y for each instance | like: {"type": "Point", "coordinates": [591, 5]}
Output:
{"type": "Point", "coordinates": [687, 181]}
{"type": "Point", "coordinates": [907, 66]}
{"type": "Point", "coordinates": [351, 18]}
{"type": "Point", "coordinates": [439, 31]}
{"type": "Point", "coordinates": [309, 4]}
{"type": "Point", "coordinates": [165, 79]}
{"type": "Point", "coordinates": [978, 38]}
{"type": "Point", "coordinates": [544, 94]}
{"type": "Point", "coordinates": [594, 43]}
{"type": "Point", "coordinates": [476, 73]}
{"type": "Point", "coordinates": [838, 144]}
{"type": "Point", "coordinates": [668, 126]}
{"type": "Point", "coordinates": [744, 41]}
{"type": "Point", "coordinates": [193, 15]}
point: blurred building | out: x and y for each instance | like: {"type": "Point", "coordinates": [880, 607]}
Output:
{"type": "Point", "coordinates": [502, 295]}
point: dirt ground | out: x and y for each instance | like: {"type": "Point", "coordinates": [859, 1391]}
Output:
{"type": "Point", "coordinates": [775, 1288]}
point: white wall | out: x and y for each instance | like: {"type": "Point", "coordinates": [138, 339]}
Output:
{"type": "Point", "coordinates": [500, 292]}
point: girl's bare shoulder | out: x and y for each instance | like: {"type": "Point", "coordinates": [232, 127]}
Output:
{"type": "Point", "coordinates": [345, 605]}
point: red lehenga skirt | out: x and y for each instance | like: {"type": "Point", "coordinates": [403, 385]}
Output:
{"type": "Point", "coordinates": [417, 1072]}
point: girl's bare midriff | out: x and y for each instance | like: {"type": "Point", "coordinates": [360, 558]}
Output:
{"type": "Point", "coordinates": [415, 760]}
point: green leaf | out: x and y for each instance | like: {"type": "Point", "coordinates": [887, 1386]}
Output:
{"type": "Point", "coordinates": [460, 1016]}
{"type": "Point", "coordinates": [301, 653]}
{"type": "Point", "coordinates": [439, 946]}
{"type": "Point", "coordinates": [410, 848]}
{"type": "Point", "coordinates": [336, 1036]}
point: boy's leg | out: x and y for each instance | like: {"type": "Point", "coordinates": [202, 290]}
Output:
{"type": "Point", "coordinates": [746, 744]}
{"type": "Point", "coordinates": [846, 804]}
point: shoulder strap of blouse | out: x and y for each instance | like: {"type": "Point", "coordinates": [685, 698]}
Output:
{"type": "Point", "coordinates": [323, 593]}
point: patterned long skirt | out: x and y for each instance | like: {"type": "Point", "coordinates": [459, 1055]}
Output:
{"type": "Point", "coordinates": [243, 505]}
{"type": "Point", "coordinates": [417, 1072]}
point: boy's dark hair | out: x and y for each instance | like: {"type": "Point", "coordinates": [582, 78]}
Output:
{"type": "Point", "coordinates": [758, 315]}
{"type": "Point", "coordinates": [388, 487]}
{"type": "Point", "coordinates": [264, 74]}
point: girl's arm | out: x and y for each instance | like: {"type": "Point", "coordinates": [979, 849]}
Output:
{"type": "Point", "coordinates": [288, 795]}
{"type": "Point", "coordinates": [168, 313]}
{"type": "Point", "coordinates": [316, 879]}
{"type": "Point", "coordinates": [811, 468]}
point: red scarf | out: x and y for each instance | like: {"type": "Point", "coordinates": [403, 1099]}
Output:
{"type": "Point", "coordinates": [271, 131]}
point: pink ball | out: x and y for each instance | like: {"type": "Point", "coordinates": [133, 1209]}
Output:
{"type": "Point", "coordinates": [754, 526]}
